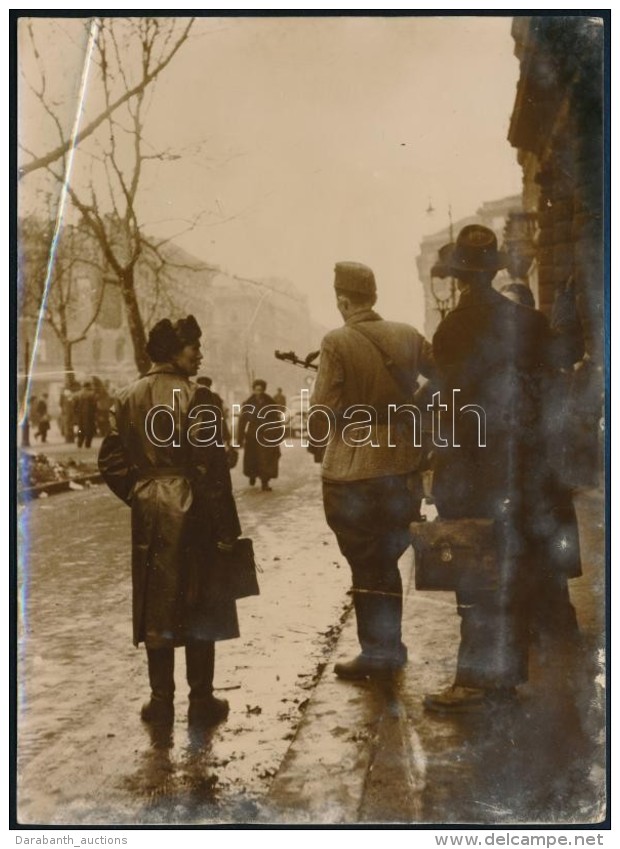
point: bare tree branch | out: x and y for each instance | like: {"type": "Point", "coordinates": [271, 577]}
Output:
{"type": "Point", "coordinates": [89, 129]}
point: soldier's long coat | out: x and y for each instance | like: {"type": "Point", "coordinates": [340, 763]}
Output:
{"type": "Point", "coordinates": [181, 504]}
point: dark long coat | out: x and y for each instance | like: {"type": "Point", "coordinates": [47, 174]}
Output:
{"type": "Point", "coordinates": [181, 505]}
{"type": "Point", "coordinates": [260, 460]}
{"type": "Point", "coordinates": [86, 411]}
{"type": "Point", "coordinates": [499, 355]}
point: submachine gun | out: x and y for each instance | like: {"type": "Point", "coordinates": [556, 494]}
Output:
{"type": "Point", "coordinates": [291, 357]}
{"type": "Point", "coordinates": [308, 364]}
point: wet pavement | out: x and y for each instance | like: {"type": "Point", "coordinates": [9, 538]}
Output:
{"type": "Point", "coordinates": [84, 755]}
{"type": "Point", "coordinates": [299, 745]}
{"type": "Point", "coordinates": [368, 752]}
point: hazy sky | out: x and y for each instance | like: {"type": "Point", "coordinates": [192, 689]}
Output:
{"type": "Point", "coordinates": [307, 141]}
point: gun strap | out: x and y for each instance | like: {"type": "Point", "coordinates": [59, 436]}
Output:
{"type": "Point", "coordinates": [398, 375]}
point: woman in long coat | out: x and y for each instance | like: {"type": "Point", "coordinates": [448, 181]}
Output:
{"type": "Point", "coordinates": [259, 440]}
{"type": "Point", "coordinates": [176, 480]}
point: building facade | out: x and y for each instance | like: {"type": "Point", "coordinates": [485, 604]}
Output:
{"type": "Point", "coordinates": [557, 128]}
{"type": "Point", "coordinates": [243, 320]}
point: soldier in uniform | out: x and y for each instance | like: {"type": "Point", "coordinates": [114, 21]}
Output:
{"type": "Point", "coordinates": [371, 490]}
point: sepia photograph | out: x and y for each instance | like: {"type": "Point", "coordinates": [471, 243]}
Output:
{"type": "Point", "coordinates": [311, 435]}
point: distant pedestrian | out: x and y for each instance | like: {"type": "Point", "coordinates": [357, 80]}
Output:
{"type": "Point", "coordinates": [43, 419]}
{"type": "Point", "coordinates": [104, 402]}
{"type": "Point", "coordinates": [67, 412]}
{"type": "Point", "coordinates": [86, 414]}
{"type": "Point", "coordinates": [519, 293]}
{"type": "Point", "coordinates": [207, 382]}
{"type": "Point", "coordinates": [33, 414]}
{"type": "Point", "coordinates": [279, 398]}
{"type": "Point", "coordinates": [260, 456]}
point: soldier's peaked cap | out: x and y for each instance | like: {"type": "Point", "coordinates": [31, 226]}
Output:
{"type": "Point", "coordinates": [354, 277]}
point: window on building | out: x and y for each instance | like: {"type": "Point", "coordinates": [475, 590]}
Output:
{"type": "Point", "coordinates": [97, 344]}
{"type": "Point", "coordinates": [111, 312]}
{"type": "Point", "coordinates": [119, 348]}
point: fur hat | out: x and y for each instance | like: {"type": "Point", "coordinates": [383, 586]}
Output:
{"type": "Point", "coordinates": [167, 339]}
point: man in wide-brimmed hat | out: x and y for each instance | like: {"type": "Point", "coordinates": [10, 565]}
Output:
{"type": "Point", "coordinates": [371, 487]}
{"type": "Point", "coordinates": [495, 354]}
{"type": "Point", "coordinates": [183, 511]}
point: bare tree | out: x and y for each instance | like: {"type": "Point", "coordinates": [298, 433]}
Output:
{"type": "Point", "coordinates": [149, 75]}
{"type": "Point", "coordinates": [118, 157]}
{"type": "Point", "coordinates": [77, 283]}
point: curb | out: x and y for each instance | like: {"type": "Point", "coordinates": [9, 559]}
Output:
{"type": "Point", "coordinates": [31, 493]}
{"type": "Point", "coordinates": [324, 776]}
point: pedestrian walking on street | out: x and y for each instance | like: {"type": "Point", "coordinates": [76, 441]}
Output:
{"type": "Point", "coordinates": [104, 402]}
{"type": "Point", "coordinates": [497, 355]}
{"type": "Point", "coordinates": [43, 419]}
{"type": "Point", "coordinates": [86, 414]}
{"type": "Point", "coordinates": [371, 490]}
{"type": "Point", "coordinates": [279, 398]}
{"type": "Point", "coordinates": [184, 520]}
{"type": "Point", "coordinates": [67, 411]}
{"type": "Point", "coordinates": [232, 455]}
{"type": "Point", "coordinates": [261, 454]}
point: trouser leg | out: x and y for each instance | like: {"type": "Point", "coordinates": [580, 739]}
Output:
{"type": "Point", "coordinates": [493, 652]}
{"type": "Point", "coordinates": [200, 666]}
{"type": "Point", "coordinates": [161, 673]}
{"type": "Point", "coordinates": [159, 709]}
{"type": "Point", "coordinates": [370, 519]}
{"type": "Point", "coordinates": [378, 602]}
{"type": "Point", "coordinates": [204, 708]}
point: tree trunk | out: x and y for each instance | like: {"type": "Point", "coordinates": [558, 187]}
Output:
{"type": "Point", "coordinates": [67, 348]}
{"type": "Point", "coordinates": [134, 321]}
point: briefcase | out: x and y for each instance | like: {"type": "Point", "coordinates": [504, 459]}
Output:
{"type": "Point", "coordinates": [237, 569]}
{"type": "Point", "coordinates": [455, 554]}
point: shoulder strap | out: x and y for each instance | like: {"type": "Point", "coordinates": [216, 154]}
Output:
{"type": "Point", "coordinates": [404, 381]}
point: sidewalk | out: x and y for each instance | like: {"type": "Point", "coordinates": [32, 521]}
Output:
{"type": "Point", "coordinates": [368, 752]}
{"type": "Point", "coordinates": [57, 448]}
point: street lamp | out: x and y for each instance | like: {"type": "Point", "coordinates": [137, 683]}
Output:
{"type": "Point", "coordinates": [443, 283]}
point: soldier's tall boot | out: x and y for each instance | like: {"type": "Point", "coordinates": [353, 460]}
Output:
{"type": "Point", "coordinates": [378, 617]}
{"type": "Point", "coordinates": [160, 709]}
{"type": "Point", "coordinates": [204, 707]}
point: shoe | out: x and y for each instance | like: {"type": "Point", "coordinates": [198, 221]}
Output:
{"type": "Point", "coordinates": [266, 488]}
{"type": "Point", "coordinates": [252, 481]}
{"type": "Point", "coordinates": [363, 667]}
{"type": "Point", "coordinates": [457, 699]}
{"type": "Point", "coordinates": [158, 712]}
{"type": "Point", "coordinates": [208, 711]}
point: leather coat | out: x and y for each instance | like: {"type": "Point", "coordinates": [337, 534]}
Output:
{"type": "Point", "coordinates": [181, 502]}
